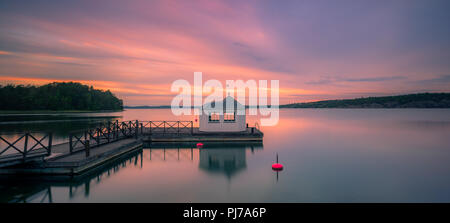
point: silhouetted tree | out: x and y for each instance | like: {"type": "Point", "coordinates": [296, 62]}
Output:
{"type": "Point", "coordinates": [57, 96]}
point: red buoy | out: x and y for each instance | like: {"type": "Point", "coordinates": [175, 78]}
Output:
{"type": "Point", "coordinates": [195, 120]}
{"type": "Point", "coordinates": [277, 167]}
{"type": "Point", "coordinates": [199, 145]}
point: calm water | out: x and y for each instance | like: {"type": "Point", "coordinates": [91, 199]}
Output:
{"type": "Point", "coordinates": [330, 155]}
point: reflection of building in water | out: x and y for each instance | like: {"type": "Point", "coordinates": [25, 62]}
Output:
{"type": "Point", "coordinates": [227, 161]}
{"type": "Point", "coordinates": [227, 158]}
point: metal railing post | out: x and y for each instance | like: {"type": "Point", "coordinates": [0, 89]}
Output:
{"type": "Point", "coordinates": [25, 146]}
{"type": "Point", "coordinates": [87, 148]}
{"type": "Point", "coordinates": [98, 136]}
{"type": "Point", "coordinates": [129, 127]}
{"type": "Point", "coordinates": [109, 131]}
{"type": "Point", "coordinates": [116, 130]}
{"type": "Point", "coordinates": [136, 129]}
{"type": "Point", "coordinates": [70, 143]}
{"type": "Point", "coordinates": [50, 139]}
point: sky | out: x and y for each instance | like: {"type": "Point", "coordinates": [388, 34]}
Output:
{"type": "Point", "coordinates": [316, 49]}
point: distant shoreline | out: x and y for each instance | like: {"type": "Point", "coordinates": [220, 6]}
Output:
{"type": "Point", "coordinates": [414, 101]}
{"type": "Point", "coordinates": [420, 100]}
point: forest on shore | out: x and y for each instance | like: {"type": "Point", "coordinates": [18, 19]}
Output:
{"type": "Point", "coordinates": [421, 100]}
{"type": "Point", "coordinates": [57, 96]}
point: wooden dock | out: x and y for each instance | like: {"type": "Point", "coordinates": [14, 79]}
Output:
{"type": "Point", "coordinates": [75, 163]}
{"type": "Point", "coordinates": [197, 136]}
{"type": "Point", "coordinates": [93, 147]}
{"type": "Point", "coordinates": [184, 131]}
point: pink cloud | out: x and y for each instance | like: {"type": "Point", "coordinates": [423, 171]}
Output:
{"type": "Point", "coordinates": [137, 50]}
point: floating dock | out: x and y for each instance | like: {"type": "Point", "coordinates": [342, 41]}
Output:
{"type": "Point", "coordinates": [94, 147]}
{"type": "Point", "coordinates": [251, 134]}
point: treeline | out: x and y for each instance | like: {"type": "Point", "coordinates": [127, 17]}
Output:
{"type": "Point", "coordinates": [423, 100]}
{"type": "Point", "coordinates": [57, 96]}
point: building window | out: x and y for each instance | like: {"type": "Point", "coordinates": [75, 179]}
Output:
{"type": "Point", "coordinates": [229, 117]}
{"type": "Point", "coordinates": [214, 117]}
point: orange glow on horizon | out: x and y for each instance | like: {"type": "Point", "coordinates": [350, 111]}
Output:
{"type": "Point", "coordinates": [137, 50]}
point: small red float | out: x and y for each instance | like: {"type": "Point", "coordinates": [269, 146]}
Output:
{"type": "Point", "coordinates": [277, 166]}
{"type": "Point", "coordinates": [199, 145]}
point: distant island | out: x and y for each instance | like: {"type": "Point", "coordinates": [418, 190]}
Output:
{"type": "Point", "coordinates": [57, 96]}
{"type": "Point", "coordinates": [422, 100]}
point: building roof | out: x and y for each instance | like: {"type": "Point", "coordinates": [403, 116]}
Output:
{"type": "Point", "coordinates": [230, 101]}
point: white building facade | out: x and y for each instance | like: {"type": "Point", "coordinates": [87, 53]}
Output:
{"type": "Point", "coordinates": [229, 120]}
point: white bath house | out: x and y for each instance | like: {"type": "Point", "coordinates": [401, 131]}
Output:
{"type": "Point", "coordinates": [210, 120]}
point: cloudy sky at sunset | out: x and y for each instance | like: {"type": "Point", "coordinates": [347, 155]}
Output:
{"type": "Point", "coordinates": [317, 49]}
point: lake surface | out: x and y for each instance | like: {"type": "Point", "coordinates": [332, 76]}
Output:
{"type": "Point", "coordinates": [330, 155]}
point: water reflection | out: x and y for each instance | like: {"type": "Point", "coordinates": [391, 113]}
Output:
{"type": "Point", "coordinates": [215, 157]}
{"type": "Point", "coordinates": [39, 189]}
{"type": "Point", "coordinates": [330, 155]}
{"type": "Point", "coordinates": [222, 159]}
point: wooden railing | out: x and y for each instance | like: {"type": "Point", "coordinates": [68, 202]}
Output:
{"type": "Point", "coordinates": [27, 151]}
{"type": "Point", "coordinates": [104, 134]}
{"type": "Point", "coordinates": [110, 132]}
{"type": "Point", "coordinates": [154, 127]}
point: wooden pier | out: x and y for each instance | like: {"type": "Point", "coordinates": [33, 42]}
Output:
{"type": "Point", "coordinates": [184, 131]}
{"type": "Point", "coordinates": [93, 147]}
{"type": "Point", "coordinates": [197, 136]}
